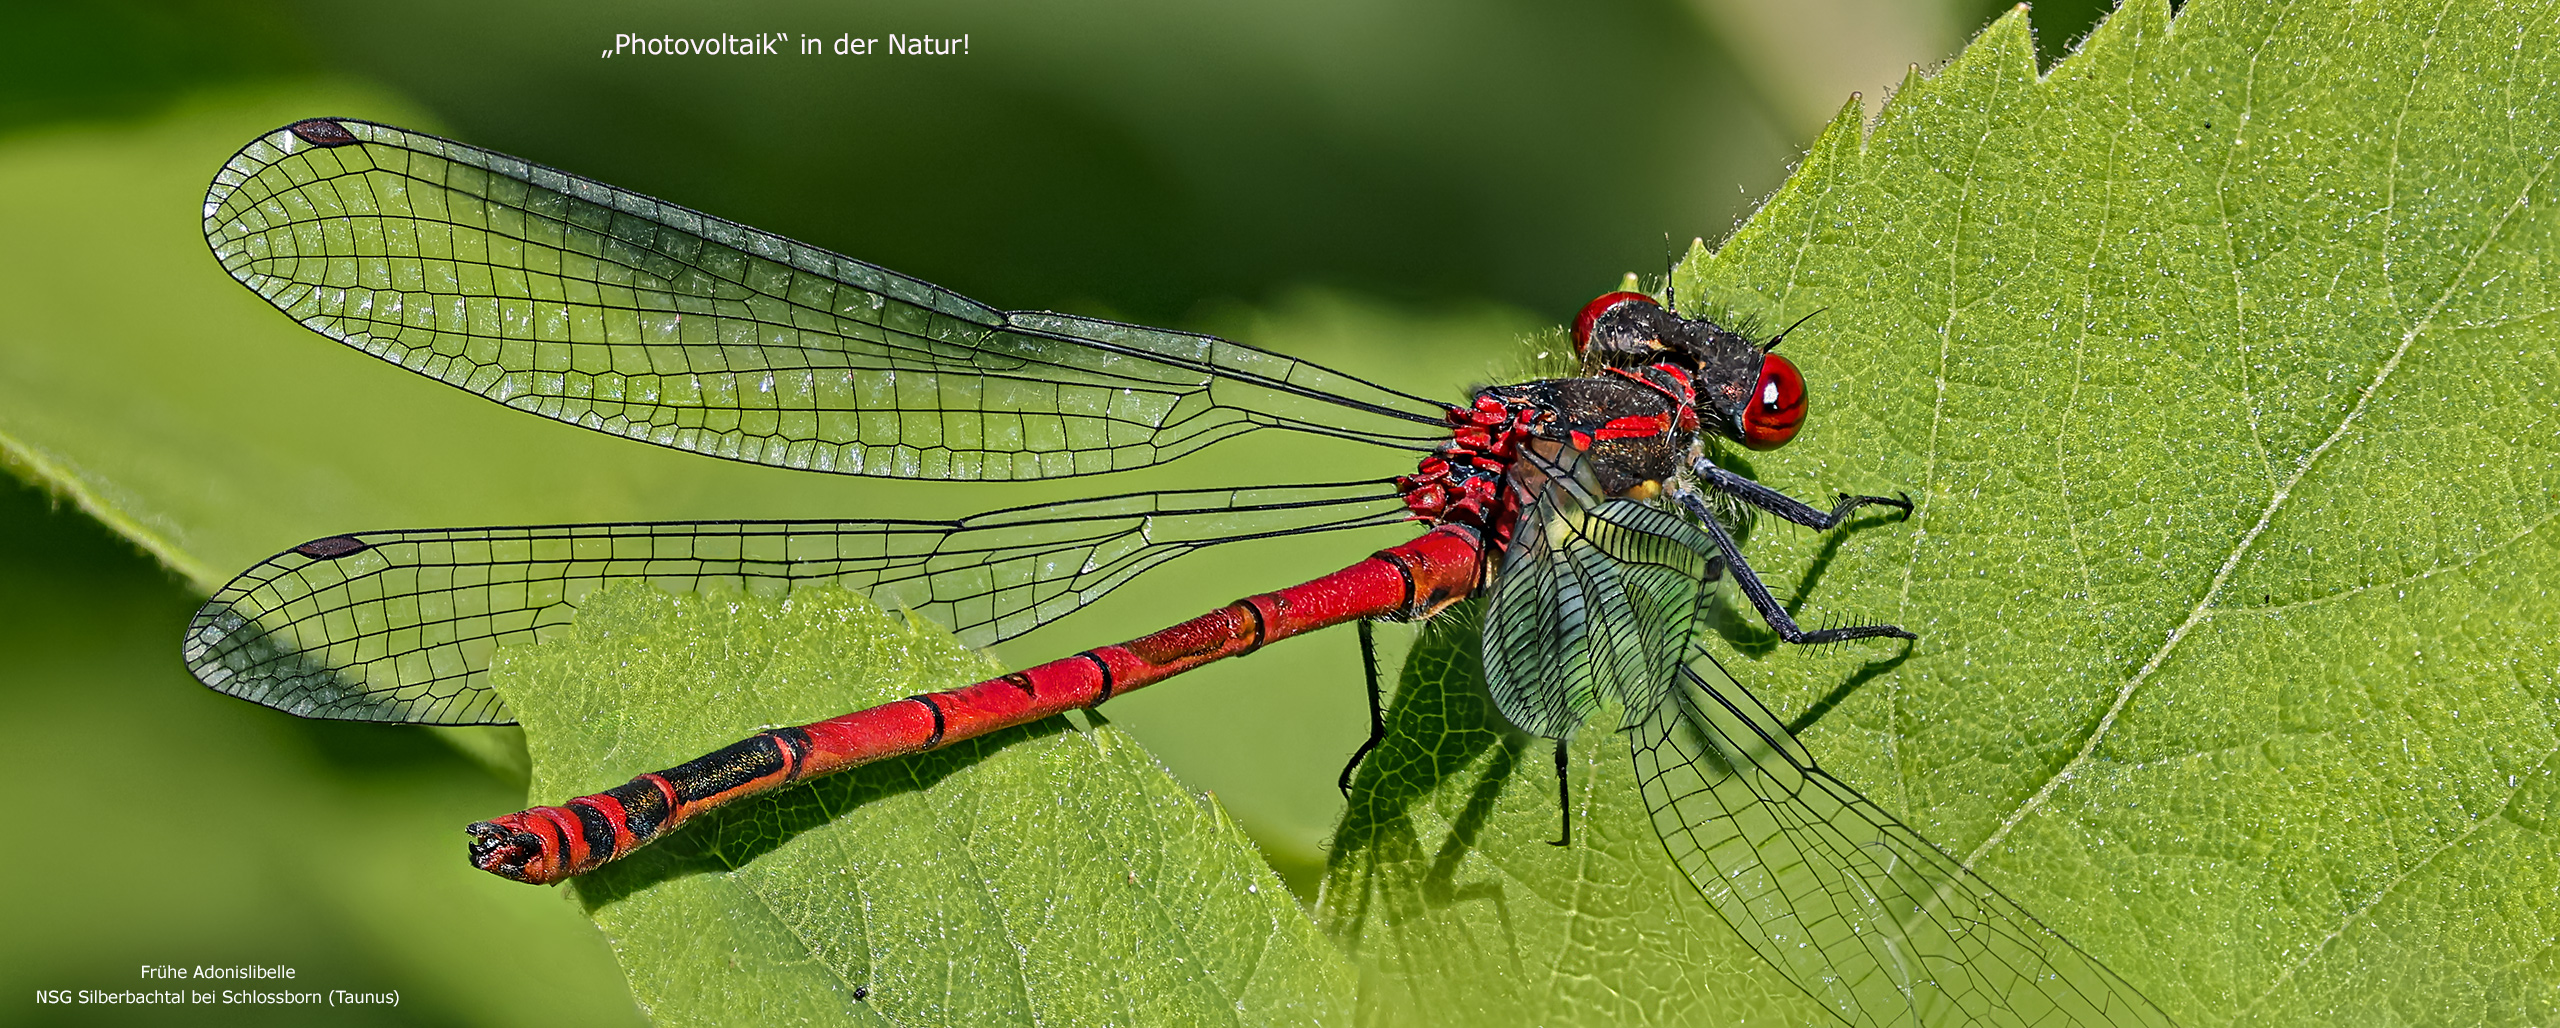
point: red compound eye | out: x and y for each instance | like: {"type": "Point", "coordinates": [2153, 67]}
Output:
{"type": "Point", "coordinates": [1775, 409]}
{"type": "Point", "coordinates": [1592, 311]}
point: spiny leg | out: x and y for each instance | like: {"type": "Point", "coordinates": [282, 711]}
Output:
{"type": "Point", "coordinates": [1761, 600]}
{"type": "Point", "coordinates": [1786, 506]}
{"type": "Point", "coordinates": [1377, 711]}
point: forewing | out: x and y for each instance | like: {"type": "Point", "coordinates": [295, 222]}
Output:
{"type": "Point", "coordinates": [610, 310]}
{"type": "Point", "coordinates": [1594, 599]}
{"type": "Point", "coordinates": [400, 626]}
{"type": "Point", "coordinates": [1856, 908]}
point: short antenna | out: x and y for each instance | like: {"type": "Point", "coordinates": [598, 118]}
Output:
{"type": "Point", "coordinates": [1670, 264]}
{"type": "Point", "coordinates": [1781, 337]}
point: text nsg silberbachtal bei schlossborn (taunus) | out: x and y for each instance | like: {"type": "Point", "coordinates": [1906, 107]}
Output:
{"type": "Point", "coordinates": [277, 979]}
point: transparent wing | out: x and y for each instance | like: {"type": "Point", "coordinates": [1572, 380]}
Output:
{"type": "Point", "coordinates": [1594, 599]}
{"type": "Point", "coordinates": [610, 310]}
{"type": "Point", "coordinates": [1864, 914]}
{"type": "Point", "coordinates": [399, 626]}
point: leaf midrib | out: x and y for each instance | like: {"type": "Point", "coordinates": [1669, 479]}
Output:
{"type": "Point", "coordinates": [2204, 605]}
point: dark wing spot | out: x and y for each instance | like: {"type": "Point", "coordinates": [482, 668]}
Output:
{"type": "Point", "coordinates": [332, 548]}
{"type": "Point", "coordinates": [323, 132]}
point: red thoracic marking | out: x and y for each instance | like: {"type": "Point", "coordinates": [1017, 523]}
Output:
{"type": "Point", "coordinates": [1635, 426]}
{"type": "Point", "coordinates": [1592, 311]}
{"type": "Point", "coordinates": [1775, 409]}
{"type": "Point", "coordinates": [1668, 379]}
{"type": "Point", "coordinates": [1674, 383]}
{"type": "Point", "coordinates": [548, 844]}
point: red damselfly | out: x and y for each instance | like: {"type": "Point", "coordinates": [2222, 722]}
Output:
{"type": "Point", "coordinates": [1589, 507]}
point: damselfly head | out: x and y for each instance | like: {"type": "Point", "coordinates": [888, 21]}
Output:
{"type": "Point", "coordinates": [1760, 395]}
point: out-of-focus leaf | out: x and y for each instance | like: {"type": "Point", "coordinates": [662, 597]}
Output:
{"type": "Point", "coordinates": [168, 825]}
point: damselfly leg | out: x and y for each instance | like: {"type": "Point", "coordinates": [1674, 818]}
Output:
{"type": "Point", "coordinates": [1377, 706]}
{"type": "Point", "coordinates": [1777, 616]}
{"type": "Point", "coordinates": [1786, 506]}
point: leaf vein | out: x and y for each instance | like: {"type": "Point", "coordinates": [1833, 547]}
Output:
{"type": "Point", "coordinates": [2204, 606]}
{"type": "Point", "coordinates": [2353, 917]}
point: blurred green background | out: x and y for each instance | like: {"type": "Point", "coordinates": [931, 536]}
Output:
{"type": "Point", "coordinates": [1402, 190]}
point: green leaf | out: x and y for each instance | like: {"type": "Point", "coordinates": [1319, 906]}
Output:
{"type": "Point", "coordinates": [2220, 362]}
{"type": "Point", "coordinates": [1445, 889]}
{"type": "Point", "coordinates": [1041, 875]}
